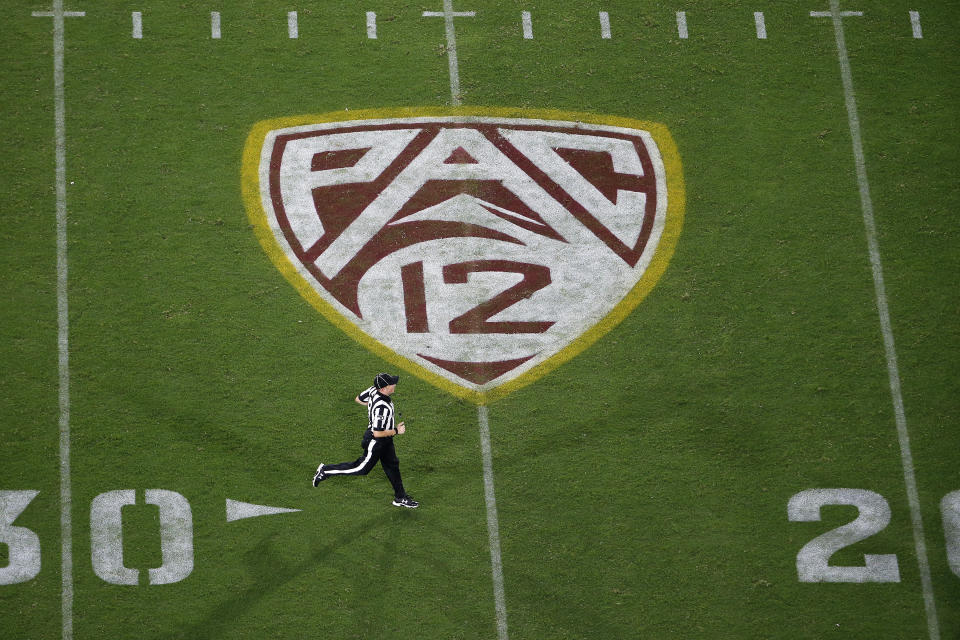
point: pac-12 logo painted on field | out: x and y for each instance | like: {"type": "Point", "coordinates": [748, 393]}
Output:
{"type": "Point", "coordinates": [477, 248]}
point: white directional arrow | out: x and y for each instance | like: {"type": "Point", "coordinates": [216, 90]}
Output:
{"type": "Point", "coordinates": [240, 510]}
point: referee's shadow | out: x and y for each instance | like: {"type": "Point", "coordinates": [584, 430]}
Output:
{"type": "Point", "coordinates": [269, 572]}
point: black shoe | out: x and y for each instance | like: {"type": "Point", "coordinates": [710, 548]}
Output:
{"type": "Point", "coordinates": [406, 501]}
{"type": "Point", "coordinates": [320, 476]}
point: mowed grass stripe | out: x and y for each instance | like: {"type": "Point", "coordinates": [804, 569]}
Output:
{"type": "Point", "coordinates": [883, 309]}
{"type": "Point", "coordinates": [650, 74]}
{"type": "Point", "coordinates": [63, 321]}
{"type": "Point", "coordinates": [159, 363]}
{"type": "Point", "coordinates": [750, 384]}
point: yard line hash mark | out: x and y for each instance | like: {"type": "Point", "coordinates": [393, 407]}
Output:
{"type": "Point", "coordinates": [760, 24]}
{"type": "Point", "coordinates": [63, 318]}
{"type": "Point", "coordinates": [604, 25]}
{"type": "Point", "coordinates": [915, 24]}
{"type": "Point", "coordinates": [893, 371]}
{"type": "Point", "coordinates": [841, 14]}
{"type": "Point", "coordinates": [525, 16]}
{"type": "Point", "coordinates": [53, 14]}
{"type": "Point", "coordinates": [682, 24]}
{"type": "Point", "coordinates": [293, 28]}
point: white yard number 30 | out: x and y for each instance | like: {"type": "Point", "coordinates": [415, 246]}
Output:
{"type": "Point", "coordinates": [176, 537]}
{"type": "Point", "coordinates": [950, 508]}
{"type": "Point", "coordinates": [873, 517]}
{"type": "Point", "coordinates": [23, 544]}
{"type": "Point", "coordinates": [106, 541]}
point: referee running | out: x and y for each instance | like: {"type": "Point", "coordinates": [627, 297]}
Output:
{"type": "Point", "coordinates": [377, 441]}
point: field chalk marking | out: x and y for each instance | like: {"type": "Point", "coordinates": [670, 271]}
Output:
{"type": "Point", "coordinates": [841, 14]}
{"type": "Point", "coordinates": [137, 19]}
{"type": "Point", "coordinates": [493, 526]}
{"type": "Point", "coordinates": [215, 25]}
{"type": "Point", "coordinates": [915, 24]}
{"type": "Point", "coordinates": [893, 371]}
{"type": "Point", "coordinates": [527, 25]}
{"type": "Point", "coordinates": [293, 25]}
{"type": "Point", "coordinates": [237, 510]}
{"type": "Point", "coordinates": [761, 25]}
{"type": "Point", "coordinates": [604, 25]}
{"type": "Point", "coordinates": [63, 319]}
{"type": "Point", "coordinates": [371, 25]}
{"type": "Point", "coordinates": [448, 14]}
{"type": "Point", "coordinates": [682, 25]}
{"type": "Point", "coordinates": [54, 14]}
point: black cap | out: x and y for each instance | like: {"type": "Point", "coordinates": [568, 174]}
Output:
{"type": "Point", "coordinates": [384, 380]}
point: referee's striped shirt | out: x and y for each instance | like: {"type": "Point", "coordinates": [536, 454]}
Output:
{"type": "Point", "coordinates": [379, 409]}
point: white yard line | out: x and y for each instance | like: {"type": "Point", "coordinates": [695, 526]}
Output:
{"type": "Point", "coordinates": [893, 371]}
{"type": "Point", "coordinates": [493, 526]}
{"type": "Point", "coordinates": [371, 25]}
{"type": "Point", "coordinates": [63, 326]}
{"type": "Point", "coordinates": [448, 14]}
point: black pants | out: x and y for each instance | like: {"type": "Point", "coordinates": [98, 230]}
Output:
{"type": "Point", "coordinates": [374, 450]}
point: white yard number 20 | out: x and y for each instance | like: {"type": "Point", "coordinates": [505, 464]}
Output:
{"type": "Point", "coordinates": [873, 517]}
{"type": "Point", "coordinates": [106, 541]}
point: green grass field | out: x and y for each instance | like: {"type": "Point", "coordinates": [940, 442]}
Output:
{"type": "Point", "coordinates": [642, 487]}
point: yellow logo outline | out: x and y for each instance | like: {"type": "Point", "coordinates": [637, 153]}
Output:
{"type": "Point", "coordinates": [676, 205]}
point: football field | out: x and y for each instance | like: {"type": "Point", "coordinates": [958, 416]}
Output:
{"type": "Point", "coordinates": [671, 289]}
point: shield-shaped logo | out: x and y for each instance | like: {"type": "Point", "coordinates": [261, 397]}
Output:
{"type": "Point", "coordinates": [476, 248]}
